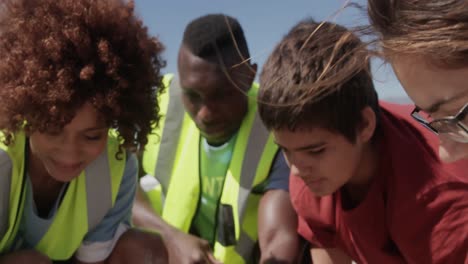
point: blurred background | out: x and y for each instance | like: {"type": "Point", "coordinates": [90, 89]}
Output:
{"type": "Point", "coordinates": [264, 22]}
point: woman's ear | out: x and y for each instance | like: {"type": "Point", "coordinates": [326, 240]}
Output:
{"type": "Point", "coordinates": [368, 124]}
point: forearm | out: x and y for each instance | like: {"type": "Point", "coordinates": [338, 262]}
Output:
{"type": "Point", "coordinates": [181, 247]}
{"type": "Point", "coordinates": [282, 248]}
{"type": "Point", "coordinates": [278, 239]}
{"type": "Point", "coordinates": [145, 217]}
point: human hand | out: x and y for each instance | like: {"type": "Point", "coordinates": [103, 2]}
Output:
{"type": "Point", "coordinates": [188, 249]}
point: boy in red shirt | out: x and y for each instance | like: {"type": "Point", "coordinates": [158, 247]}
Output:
{"type": "Point", "coordinates": [366, 183]}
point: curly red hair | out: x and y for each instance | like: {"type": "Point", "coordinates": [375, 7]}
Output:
{"type": "Point", "coordinates": [58, 55]}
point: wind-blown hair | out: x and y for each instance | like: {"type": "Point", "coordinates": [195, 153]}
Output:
{"type": "Point", "coordinates": [435, 29]}
{"type": "Point", "coordinates": [317, 77]}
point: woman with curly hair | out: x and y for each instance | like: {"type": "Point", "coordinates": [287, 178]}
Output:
{"type": "Point", "coordinates": [78, 87]}
{"type": "Point", "coordinates": [426, 42]}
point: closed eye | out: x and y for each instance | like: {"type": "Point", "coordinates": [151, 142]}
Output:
{"type": "Point", "coordinates": [314, 152]}
{"type": "Point", "coordinates": [93, 138]}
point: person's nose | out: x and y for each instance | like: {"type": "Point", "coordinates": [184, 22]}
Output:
{"type": "Point", "coordinates": [298, 166]}
{"type": "Point", "coordinates": [208, 112]}
{"type": "Point", "coordinates": [69, 149]}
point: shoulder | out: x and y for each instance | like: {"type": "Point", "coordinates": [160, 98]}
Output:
{"type": "Point", "coordinates": [415, 177]}
{"type": "Point", "coordinates": [278, 177]}
{"type": "Point", "coordinates": [435, 213]}
{"type": "Point", "coordinates": [131, 168]}
{"type": "Point", "coordinates": [126, 173]}
{"type": "Point", "coordinates": [397, 119]}
{"type": "Point", "coordinates": [410, 153]}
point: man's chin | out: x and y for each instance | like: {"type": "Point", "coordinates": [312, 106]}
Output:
{"type": "Point", "coordinates": [216, 139]}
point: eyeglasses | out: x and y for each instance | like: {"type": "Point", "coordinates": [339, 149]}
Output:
{"type": "Point", "coordinates": [454, 127]}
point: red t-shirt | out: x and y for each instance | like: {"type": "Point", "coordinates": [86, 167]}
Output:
{"type": "Point", "coordinates": [416, 210]}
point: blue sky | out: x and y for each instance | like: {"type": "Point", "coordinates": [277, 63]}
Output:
{"type": "Point", "coordinates": [264, 23]}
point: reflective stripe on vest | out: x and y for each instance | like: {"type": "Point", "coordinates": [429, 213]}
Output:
{"type": "Point", "coordinates": [88, 198]}
{"type": "Point", "coordinates": [245, 246]}
{"type": "Point", "coordinates": [170, 136]}
{"type": "Point", "coordinates": [257, 140]}
{"type": "Point", "coordinates": [98, 189]}
{"type": "Point", "coordinates": [255, 143]}
{"type": "Point", "coordinates": [260, 151]}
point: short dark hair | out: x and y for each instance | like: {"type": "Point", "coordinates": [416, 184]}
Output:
{"type": "Point", "coordinates": [207, 35]}
{"type": "Point", "coordinates": [316, 77]}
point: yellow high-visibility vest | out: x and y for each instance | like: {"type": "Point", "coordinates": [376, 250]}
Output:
{"type": "Point", "coordinates": [172, 156]}
{"type": "Point", "coordinates": [85, 203]}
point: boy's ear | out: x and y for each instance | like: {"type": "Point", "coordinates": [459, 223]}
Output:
{"type": "Point", "coordinates": [368, 124]}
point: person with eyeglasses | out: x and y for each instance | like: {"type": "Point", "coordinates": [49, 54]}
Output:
{"type": "Point", "coordinates": [453, 127]}
{"type": "Point", "coordinates": [426, 44]}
